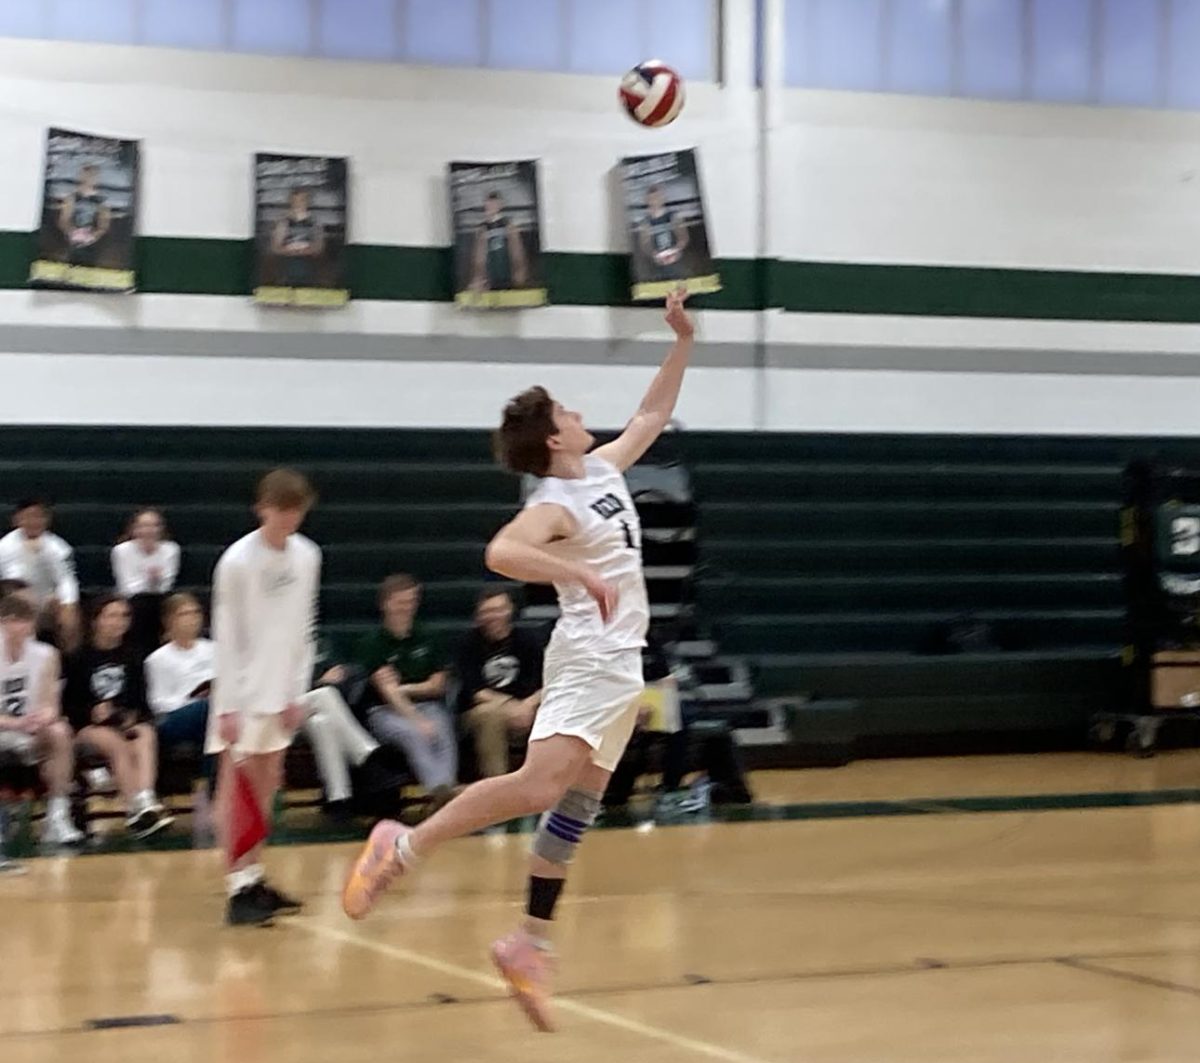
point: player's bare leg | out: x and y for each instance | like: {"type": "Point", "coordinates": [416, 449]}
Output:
{"type": "Point", "coordinates": [526, 957]}
{"type": "Point", "coordinates": [550, 769]}
{"type": "Point", "coordinates": [58, 769]}
{"type": "Point", "coordinates": [142, 742]}
{"type": "Point", "coordinates": [114, 748]}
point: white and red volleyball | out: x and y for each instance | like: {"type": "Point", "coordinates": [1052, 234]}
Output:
{"type": "Point", "coordinates": [652, 93]}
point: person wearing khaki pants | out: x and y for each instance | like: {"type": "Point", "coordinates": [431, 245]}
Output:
{"type": "Point", "coordinates": [500, 677]}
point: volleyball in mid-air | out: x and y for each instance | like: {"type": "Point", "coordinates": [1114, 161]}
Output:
{"type": "Point", "coordinates": [652, 93]}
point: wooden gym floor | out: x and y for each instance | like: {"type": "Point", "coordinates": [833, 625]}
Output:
{"type": "Point", "coordinates": [1015, 932]}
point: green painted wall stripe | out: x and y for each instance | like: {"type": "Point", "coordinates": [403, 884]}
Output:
{"type": "Point", "coordinates": [16, 252]}
{"type": "Point", "coordinates": [951, 291]}
{"type": "Point", "coordinates": [184, 265]}
{"type": "Point", "coordinates": [196, 266]}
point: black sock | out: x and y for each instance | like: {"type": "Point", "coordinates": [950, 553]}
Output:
{"type": "Point", "coordinates": [543, 896]}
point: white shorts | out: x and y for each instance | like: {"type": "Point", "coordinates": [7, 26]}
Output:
{"type": "Point", "coordinates": [260, 734]}
{"type": "Point", "coordinates": [24, 748]}
{"type": "Point", "coordinates": [593, 697]}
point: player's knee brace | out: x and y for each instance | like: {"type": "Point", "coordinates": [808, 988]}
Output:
{"type": "Point", "coordinates": [561, 829]}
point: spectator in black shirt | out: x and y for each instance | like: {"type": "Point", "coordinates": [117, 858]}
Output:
{"type": "Point", "coordinates": [106, 704]}
{"type": "Point", "coordinates": [500, 680]}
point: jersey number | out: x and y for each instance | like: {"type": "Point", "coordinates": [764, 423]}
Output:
{"type": "Point", "coordinates": [13, 694]}
{"type": "Point", "coordinates": [1185, 536]}
{"type": "Point", "coordinates": [628, 535]}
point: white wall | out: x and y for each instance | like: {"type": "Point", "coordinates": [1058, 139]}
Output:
{"type": "Point", "coordinates": [875, 178]}
{"type": "Point", "coordinates": [851, 178]}
{"type": "Point", "coordinates": [203, 116]}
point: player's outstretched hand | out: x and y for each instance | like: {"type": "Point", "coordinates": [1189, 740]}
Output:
{"type": "Point", "coordinates": [678, 317]}
{"type": "Point", "coordinates": [604, 594]}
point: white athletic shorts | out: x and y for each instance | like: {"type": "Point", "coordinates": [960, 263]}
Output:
{"type": "Point", "coordinates": [24, 748]}
{"type": "Point", "coordinates": [590, 696]}
{"type": "Point", "coordinates": [260, 734]}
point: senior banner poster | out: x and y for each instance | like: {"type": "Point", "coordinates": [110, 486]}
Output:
{"type": "Point", "coordinates": [664, 214]}
{"type": "Point", "coordinates": [497, 234]}
{"type": "Point", "coordinates": [89, 211]}
{"type": "Point", "coordinates": [301, 205]}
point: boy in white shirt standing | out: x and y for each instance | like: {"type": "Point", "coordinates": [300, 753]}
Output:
{"type": "Point", "coordinates": [264, 618]}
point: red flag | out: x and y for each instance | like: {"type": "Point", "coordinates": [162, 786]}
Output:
{"type": "Point", "coordinates": [247, 824]}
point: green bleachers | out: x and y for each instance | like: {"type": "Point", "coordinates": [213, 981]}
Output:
{"type": "Point", "coordinates": [840, 564]}
{"type": "Point", "coordinates": [831, 562]}
{"type": "Point", "coordinates": [424, 502]}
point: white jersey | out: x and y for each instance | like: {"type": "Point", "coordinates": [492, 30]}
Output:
{"type": "Point", "coordinates": [138, 572]}
{"type": "Point", "coordinates": [47, 565]}
{"type": "Point", "coordinates": [21, 681]}
{"type": "Point", "coordinates": [264, 624]}
{"type": "Point", "coordinates": [173, 674]}
{"type": "Point", "coordinates": [608, 539]}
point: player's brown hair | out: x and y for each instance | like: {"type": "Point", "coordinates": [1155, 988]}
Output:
{"type": "Point", "coordinates": [520, 442]}
{"type": "Point", "coordinates": [17, 606]}
{"type": "Point", "coordinates": [401, 581]}
{"type": "Point", "coordinates": [285, 489]}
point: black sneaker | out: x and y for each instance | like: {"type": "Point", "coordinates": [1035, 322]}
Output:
{"type": "Point", "coordinates": [278, 902]}
{"type": "Point", "coordinates": [250, 907]}
{"type": "Point", "coordinates": [147, 822]}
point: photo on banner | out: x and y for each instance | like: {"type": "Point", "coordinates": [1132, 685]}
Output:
{"type": "Point", "coordinates": [497, 235]}
{"type": "Point", "coordinates": [301, 205]}
{"type": "Point", "coordinates": [89, 214]}
{"type": "Point", "coordinates": [668, 234]}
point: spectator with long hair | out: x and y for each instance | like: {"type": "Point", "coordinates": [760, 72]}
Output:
{"type": "Point", "coordinates": [145, 565]}
{"type": "Point", "coordinates": [106, 705]}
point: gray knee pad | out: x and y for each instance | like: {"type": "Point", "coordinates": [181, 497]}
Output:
{"type": "Point", "coordinates": [561, 829]}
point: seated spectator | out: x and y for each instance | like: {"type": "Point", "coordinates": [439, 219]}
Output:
{"type": "Point", "coordinates": [407, 672]}
{"type": "Point", "coordinates": [107, 707]}
{"type": "Point", "coordinates": [32, 730]}
{"type": "Point", "coordinates": [338, 741]}
{"type": "Point", "coordinates": [179, 675]}
{"type": "Point", "coordinates": [46, 564]}
{"type": "Point", "coordinates": [658, 714]}
{"type": "Point", "coordinates": [662, 724]}
{"type": "Point", "coordinates": [499, 669]}
{"type": "Point", "coordinates": [145, 565]}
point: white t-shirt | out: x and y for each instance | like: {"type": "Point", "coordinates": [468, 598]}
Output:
{"type": "Point", "coordinates": [172, 673]}
{"type": "Point", "coordinates": [47, 564]}
{"type": "Point", "coordinates": [264, 624]}
{"type": "Point", "coordinates": [609, 540]}
{"type": "Point", "coordinates": [22, 682]}
{"type": "Point", "coordinates": [131, 567]}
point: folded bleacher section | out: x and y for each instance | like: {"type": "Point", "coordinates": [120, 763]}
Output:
{"type": "Point", "coordinates": [953, 589]}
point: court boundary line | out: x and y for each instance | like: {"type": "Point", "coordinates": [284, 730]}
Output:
{"type": "Point", "coordinates": [565, 1005]}
{"type": "Point", "coordinates": [758, 813]}
{"type": "Point", "coordinates": [1076, 963]}
{"type": "Point", "coordinates": [1092, 962]}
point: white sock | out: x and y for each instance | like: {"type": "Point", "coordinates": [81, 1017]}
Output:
{"type": "Point", "coordinates": [538, 933]}
{"type": "Point", "coordinates": [57, 807]}
{"type": "Point", "coordinates": [236, 881]}
{"type": "Point", "coordinates": [404, 850]}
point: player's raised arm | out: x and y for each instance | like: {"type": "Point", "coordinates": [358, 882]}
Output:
{"type": "Point", "coordinates": [518, 552]}
{"type": "Point", "coordinates": [654, 413]}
